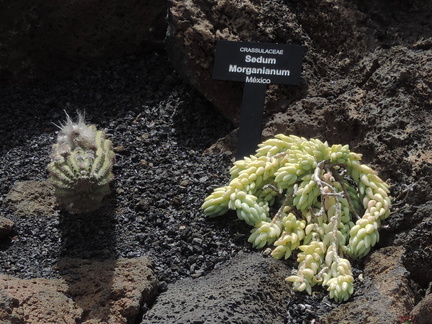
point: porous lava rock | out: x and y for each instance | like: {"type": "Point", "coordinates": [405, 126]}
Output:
{"type": "Point", "coordinates": [381, 110]}
{"type": "Point", "coordinates": [388, 294]}
{"type": "Point", "coordinates": [364, 83]}
{"type": "Point", "coordinates": [109, 291]}
{"type": "Point", "coordinates": [337, 36]}
{"type": "Point", "coordinates": [32, 198]}
{"type": "Point", "coordinates": [422, 312]}
{"type": "Point", "coordinates": [6, 226]}
{"type": "Point", "coordinates": [418, 244]}
{"type": "Point", "coordinates": [36, 301]}
{"type": "Point", "coordinates": [248, 289]}
{"type": "Point", "coordinates": [195, 26]}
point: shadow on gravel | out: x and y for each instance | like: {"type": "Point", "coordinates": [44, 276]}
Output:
{"type": "Point", "coordinates": [196, 118]}
{"type": "Point", "coordinates": [88, 260]}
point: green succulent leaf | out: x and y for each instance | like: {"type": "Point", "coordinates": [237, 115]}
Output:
{"type": "Point", "coordinates": [329, 204]}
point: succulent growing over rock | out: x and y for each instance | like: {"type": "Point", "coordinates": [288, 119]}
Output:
{"type": "Point", "coordinates": [81, 166]}
{"type": "Point", "coordinates": [329, 206]}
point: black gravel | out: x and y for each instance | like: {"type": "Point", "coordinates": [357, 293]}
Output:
{"type": "Point", "coordinates": [160, 127]}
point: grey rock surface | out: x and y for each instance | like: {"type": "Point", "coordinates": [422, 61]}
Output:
{"type": "Point", "coordinates": [418, 244]}
{"type": "Point", "coordinates": [195, 26]}
{"type": "Point", "coordinates": [248, 289]}
{"type": "Point", "coordinates": [381, 109]}
{"type": "Point", "coordinates": [421, 313]}
{"type": "Point", "coordinates": [387, 295]}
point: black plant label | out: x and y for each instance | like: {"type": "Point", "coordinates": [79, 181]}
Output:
{"type": "Point", "coordinates": [263, 63]}
{"type": "Point", "coordinates": [255, 64]}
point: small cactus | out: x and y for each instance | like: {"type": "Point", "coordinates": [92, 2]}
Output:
{"type": "Point", "coordinates": [81, 166]}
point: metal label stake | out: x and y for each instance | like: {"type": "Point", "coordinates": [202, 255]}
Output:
{"type": "Point", "coordinates": [251, 115]}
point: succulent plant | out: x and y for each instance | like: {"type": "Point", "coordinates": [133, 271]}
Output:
{"type": "Point", "coordinates": [81, 166]}
{"type": "Point", "coordinates": [328, 204]}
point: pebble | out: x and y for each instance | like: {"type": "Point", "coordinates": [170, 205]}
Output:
{"type": "Point", "coordinates": [159, 129]}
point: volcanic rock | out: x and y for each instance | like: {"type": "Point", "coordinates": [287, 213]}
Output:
{"type": "Point", "coordinates": [227, 295]}
{"type": "Point", "coordinates": [6, 226]}
{"type": "Point", "coordinates": [387, 295]}
{"type": "Point", "coordinates": [110, 291]}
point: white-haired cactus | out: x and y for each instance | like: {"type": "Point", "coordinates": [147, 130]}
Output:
{"type": "Point", "coordinates": [81, 166]}
{"type": "Point", "coordinates": [329, 204]}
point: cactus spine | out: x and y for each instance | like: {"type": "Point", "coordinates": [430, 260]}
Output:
{"type": "Point", "coordinates": [81, 166]}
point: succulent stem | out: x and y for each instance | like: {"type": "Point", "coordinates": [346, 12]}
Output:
{"type": "Point", "coordinates": [323, 187]}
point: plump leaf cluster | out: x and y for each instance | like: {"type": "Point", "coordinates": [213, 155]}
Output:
{"type": "Point", "coordinates": [328, 206]}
